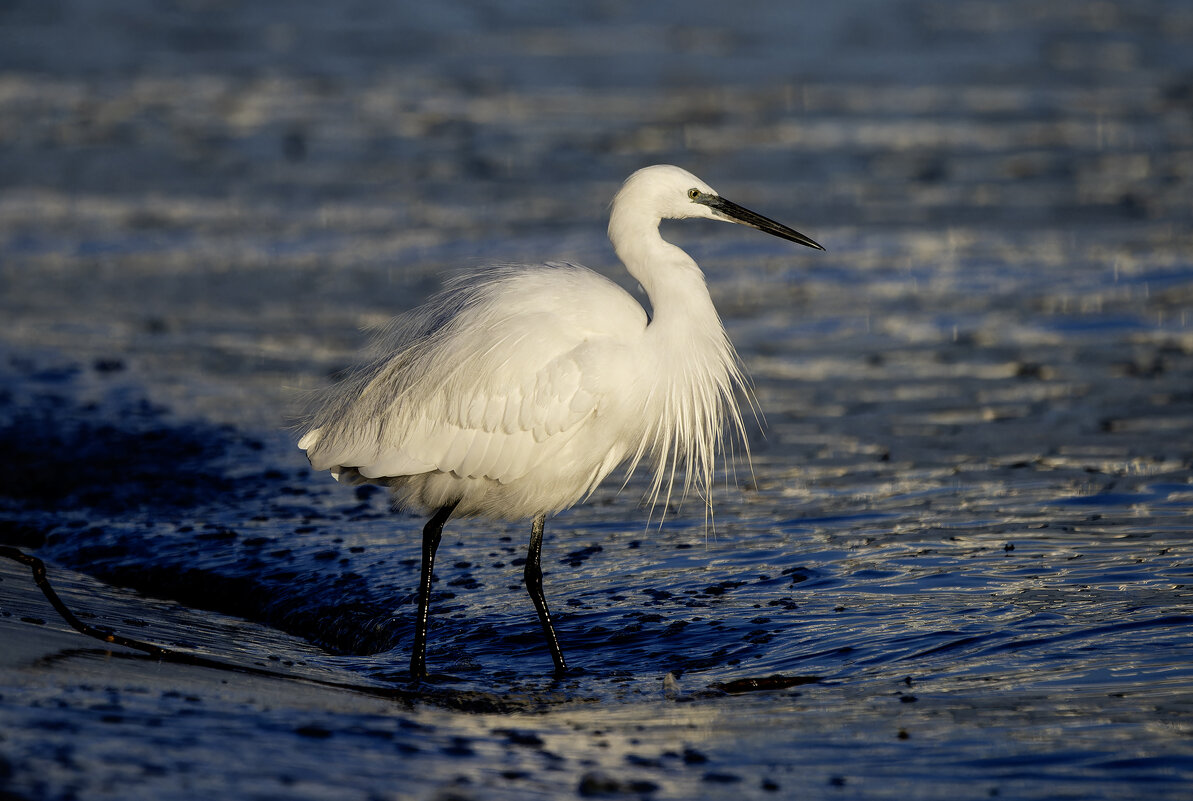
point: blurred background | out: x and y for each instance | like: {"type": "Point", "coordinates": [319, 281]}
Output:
{"type": "Point", "coordinates": [970, 503]}
{"type": "Point", "coordinates": [174, 172]}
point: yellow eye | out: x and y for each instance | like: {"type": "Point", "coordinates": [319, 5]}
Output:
{"type": "Point", "coordinates": [693, 193]}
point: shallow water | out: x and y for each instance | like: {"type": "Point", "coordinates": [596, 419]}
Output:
{"type": "Point", "coordinates": [963, 537]}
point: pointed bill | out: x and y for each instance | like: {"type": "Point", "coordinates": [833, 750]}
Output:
{"type": "Point", "coordinates": [736, 213]}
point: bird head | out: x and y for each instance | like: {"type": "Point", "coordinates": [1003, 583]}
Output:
{"type": "Point", "coordinates": [668, 192]}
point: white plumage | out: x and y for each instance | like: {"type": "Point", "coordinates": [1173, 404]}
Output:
{"type": "Point", "coordinates": [515, 391]}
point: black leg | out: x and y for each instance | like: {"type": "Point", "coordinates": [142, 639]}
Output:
{"type": "Point", "coordinates": [432, 533]}
{"type": "Point", "coordinates": [534, 586]}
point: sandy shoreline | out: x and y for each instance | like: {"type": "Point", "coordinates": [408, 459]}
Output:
{"type": "Point", "coordinates": [970, 503]}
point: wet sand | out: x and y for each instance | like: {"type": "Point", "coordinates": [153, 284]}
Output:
{"type": "Point", "coordinates": [969, 509]}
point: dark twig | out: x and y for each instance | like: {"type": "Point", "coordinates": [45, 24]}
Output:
{"type": "Point", "coordinates": [38, 568]}
{"type": "Point", "coordinates": [453, 699]}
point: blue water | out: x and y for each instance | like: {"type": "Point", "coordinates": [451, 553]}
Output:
{"type": "Point", "coordinates": [958, 565]}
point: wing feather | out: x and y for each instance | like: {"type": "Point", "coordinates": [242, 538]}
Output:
{"type": "Point", "coordinates": [472, 462]}
{"type": "Point", "coordinates": [494, 411]}
{"type": "Point", "coordinates": [511, 416]}
{"type": "Point", "coordinates": [503, 460]}
{"type": "Point", "coordinates": [395, 463]}
{"type": "Point", "coordinates": [457, 449]}
{"type": "Point", "coordinates": [480, 383]}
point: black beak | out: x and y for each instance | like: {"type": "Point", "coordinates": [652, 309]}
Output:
{"type": "Point", "coordinates": [736, 213]}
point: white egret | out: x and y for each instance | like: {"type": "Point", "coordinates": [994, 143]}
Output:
{"type": "Point", "coordinates": [513, 392]}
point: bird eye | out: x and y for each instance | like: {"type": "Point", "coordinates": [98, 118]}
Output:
{"type": "Point", "coordinates": [693, 193]}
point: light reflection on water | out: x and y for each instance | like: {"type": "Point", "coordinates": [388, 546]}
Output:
{"type": "Point", "coordinates": [971, 499]}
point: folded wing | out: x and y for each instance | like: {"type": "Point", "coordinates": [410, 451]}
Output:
{"type": "Point", "coordinates": [477, 386]}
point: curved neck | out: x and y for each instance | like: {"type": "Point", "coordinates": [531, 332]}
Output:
{"type": "Point", "coordinates": [689, 369]}
{"type": "Point", "coordinates": [673, 281]}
